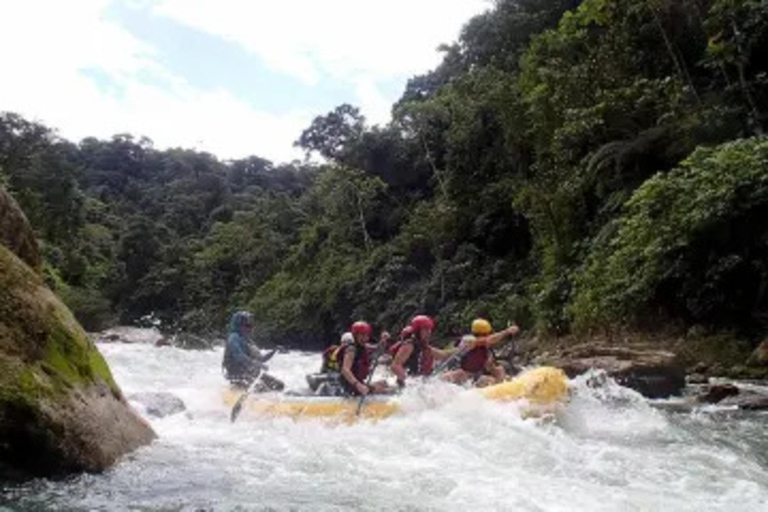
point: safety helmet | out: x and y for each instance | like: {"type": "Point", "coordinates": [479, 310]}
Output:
{"type": "Point", "coordinates": [422, 322]}
{"type": "Point", "coordinates": [406, 333]}
{"type": "Point", "coordinates": [481, 327]}
{"type": "Point", "coordinates": [361, 328]}
{"type": "Point", "coordinates": [347, 338]}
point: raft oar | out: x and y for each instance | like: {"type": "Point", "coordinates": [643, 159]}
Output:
{"type": "Point", "coordinates": [379, 352]}
{"type": "Point", "coordinates": [239, 404]}
{"type": "Point", "coordinates": [453, 357]}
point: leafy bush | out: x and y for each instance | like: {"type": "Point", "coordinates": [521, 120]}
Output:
{"type": "Point", "coordinates": [692, 243]}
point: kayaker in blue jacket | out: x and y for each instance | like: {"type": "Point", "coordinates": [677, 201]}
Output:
{"type": "Point", "coordinates": [243, 363]}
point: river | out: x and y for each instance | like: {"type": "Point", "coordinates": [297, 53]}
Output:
{"type": "Point", "coordinates": [607, 450]}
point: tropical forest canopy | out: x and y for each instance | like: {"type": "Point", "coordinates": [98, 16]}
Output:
{"type": "Point", "coordinates": [574, 166]}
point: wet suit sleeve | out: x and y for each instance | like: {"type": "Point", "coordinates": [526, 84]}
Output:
{"type": "Point", "coordinates": [239, 349]}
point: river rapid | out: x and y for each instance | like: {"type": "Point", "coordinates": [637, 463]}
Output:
{"type": "Point", "coordinates": [609, 449]}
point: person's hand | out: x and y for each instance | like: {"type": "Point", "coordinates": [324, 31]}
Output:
{"type": "Point", "coordinates": [512, 330]}
{"type": "Point", "coordinates": [468, 343]}
{"type": "Point", "coordinates": [362, 389]}
{"type": "Point", "coordinates": [400, 383]}
{"type": "Point", "coordinates": [380, 387]}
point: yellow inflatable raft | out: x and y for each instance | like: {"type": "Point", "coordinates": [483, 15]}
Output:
{"type": "Point", "coordinates": [540, 387]}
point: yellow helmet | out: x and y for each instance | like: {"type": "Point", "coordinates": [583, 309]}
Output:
{"type": "Point", "coordinates": [481, 327]}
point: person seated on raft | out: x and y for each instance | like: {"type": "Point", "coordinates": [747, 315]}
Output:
{"type": "Point", "coordinates": [414, 355]}
{"type": "Point", "coordinates": [356, 363]}
{"type": "Point", "coordinates": [331, 361]}
{"type": "Point", "coordinates": [479, 363]}
{"type": "Point", "coordinates": [242, 363]}
{"type": "Point", "coordinates": [385, 343]}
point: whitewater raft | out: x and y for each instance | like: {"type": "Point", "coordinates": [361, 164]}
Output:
{"type": "Point", "coordinates": [538, 389]}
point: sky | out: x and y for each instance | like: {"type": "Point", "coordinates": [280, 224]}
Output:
{"type": "Point", "coordinates": [231, 77]}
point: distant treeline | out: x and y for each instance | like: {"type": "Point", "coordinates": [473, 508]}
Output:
{"type": "Point", "coordinates": [574, 166]}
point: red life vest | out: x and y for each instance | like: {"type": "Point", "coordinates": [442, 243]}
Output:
{"type": "Point", "coordinates": [421, 360]}
{"type": "Point", "coordinates": [361, 365]}
{"type": "Point", "coordinates": [475, 360]}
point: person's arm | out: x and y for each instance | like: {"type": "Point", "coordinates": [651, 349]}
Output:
{"type": "Point", "coordinates": [346, 371]}
{"type": "Point", "coordinates": [494, 339]}
{"type": "Point", "coordinates": [267, 357]}
{"type": "Point", "coordinates": [398, 363]}
{"type": "Point", "coordinates": [441, 354]}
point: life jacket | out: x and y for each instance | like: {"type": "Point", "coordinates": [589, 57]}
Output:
{"type": "Point", "coordinates": [475, 360]}
{"type": "Point", "coordinates": [332, 359]}
{"type": "Point", "coordinates": [420, 362]}
{"type": "Point", "coordinates": [361, 366]}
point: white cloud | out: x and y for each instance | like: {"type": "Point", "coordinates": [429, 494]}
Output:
{"type": "Point", "coordinates": [47, 45]}
{"type": "Point", "coordinates": [358, 41]}
{"type": "Point", "coordinates": [44, 80]}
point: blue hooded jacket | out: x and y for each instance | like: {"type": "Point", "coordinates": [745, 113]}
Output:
{"type": "Point", "coordinates": [240, 359]}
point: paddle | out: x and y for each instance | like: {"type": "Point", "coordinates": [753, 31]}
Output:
{"type": "Point", "coordinates": [379, 351]}
{"type": "Point", "coordinates": [453, 357]}
{"type": "Point", "coordinates": [239, 404]}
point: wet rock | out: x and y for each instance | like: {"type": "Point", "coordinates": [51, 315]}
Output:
{"type": "Point", "coordinates": [759, 356]}
{"type": "Point", "coordinates": [110, 338]}
{"type": "Point", "coordinates": [127, 334]}
{"type": "Point", "coordinates": [15, 232]}
{"type": "Point", "coordinates": [699, 368]}
{"type": "Point", "coordinates": [159, 404]}
{"type": "Point", "coordinates": [747, 400]}
{"type": "Point", "coordinates": [756, 403]}
{"type": "Point", "coordinates": [190, 341]}
{"type": "Point", "coordinates": [165, 341]}
{"type": "Point", "coordinates": [653, 373]}
{"type": "Point", "coordinates": [60, 409]}
{"type": "Point", "coordinates": [719, 392]}
{"type": "Point", "coordinates": [697, 378]}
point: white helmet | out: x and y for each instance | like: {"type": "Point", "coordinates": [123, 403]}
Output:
{"type": "Point", "coordinates": [347, 338]}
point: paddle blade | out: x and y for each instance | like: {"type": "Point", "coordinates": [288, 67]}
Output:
{"type": "Point", "coordinates": [238, 407]}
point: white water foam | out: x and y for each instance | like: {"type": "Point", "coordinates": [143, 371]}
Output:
{"type": "Point", "coordinates": [450, 450]}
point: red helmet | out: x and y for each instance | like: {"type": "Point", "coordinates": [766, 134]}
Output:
{"type": "Point", "coordinates": [407, 332]}
{"type": "Point", "coordinates": [422, 322]}
{"type": "Point", "coordinates": [361, 328]}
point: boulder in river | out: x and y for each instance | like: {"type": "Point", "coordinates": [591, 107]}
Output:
{"type": "Point", "coordinates": [759, 356]}
{"type": "Point", "coordinates": [60, 409]}
{"type": "Point", "coordinates": [159, 404]}
{"type": "Point", "coordinates": [653, 373]}
{"type": "Point", "coordinates": [128, 334]}
{"type": "Point", "coordinates": [719, 392]}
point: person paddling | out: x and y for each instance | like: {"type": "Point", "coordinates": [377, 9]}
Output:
{"type": "Point", "coordinates": [242, 363]}
{"type": "Point", "coordinates": [356, 363]}
{"type": "Point", "coordinates": [414, 355]}
{"type": "Point", "coordinates": [478, 362]}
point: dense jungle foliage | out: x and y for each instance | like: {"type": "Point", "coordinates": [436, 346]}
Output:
{"type": "Point", "coordinates": [572, 165]}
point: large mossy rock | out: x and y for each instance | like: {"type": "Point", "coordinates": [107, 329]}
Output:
{"type": "Point", "coordinates": [60, 409]}
{"type": "Point", "coordinates": [16, 233]}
